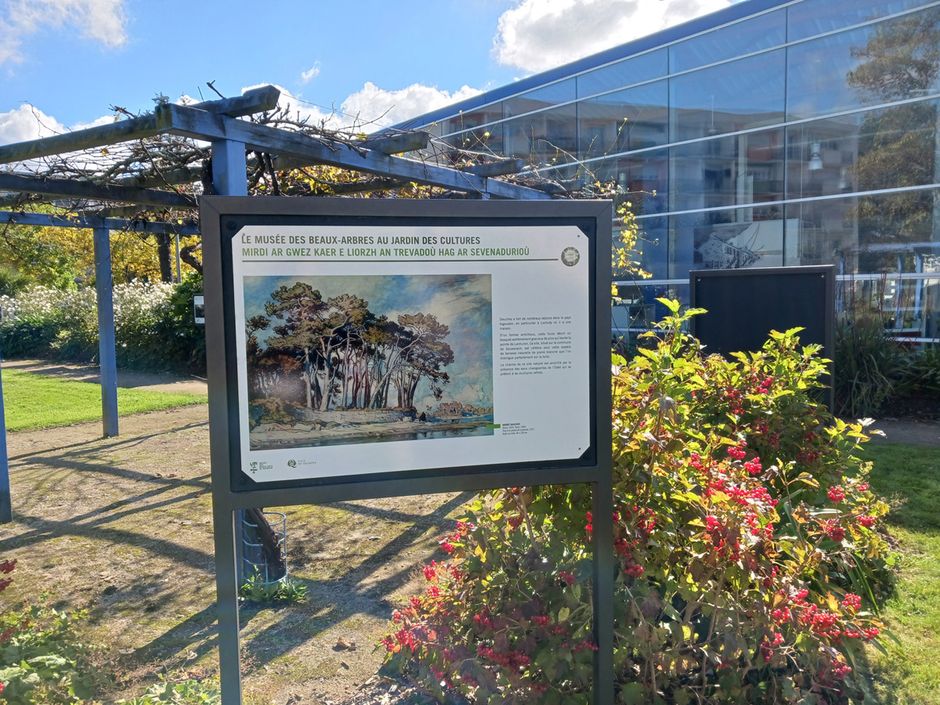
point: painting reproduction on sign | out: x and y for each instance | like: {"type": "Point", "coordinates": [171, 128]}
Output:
{"type": "Point", "coordinates": [335, 360]}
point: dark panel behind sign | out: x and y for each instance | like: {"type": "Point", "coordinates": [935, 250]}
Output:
{"type": "Point", "coordinates": [744, 305]}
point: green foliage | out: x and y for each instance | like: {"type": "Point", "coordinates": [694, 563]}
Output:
{"type": "Point", "coordinates": [289, 590]}
{"type": "Point", "coordinates": [42, 658]}
{"type": "Point", "coordinates": [868, 365]}
{"type": "Point", "coordinates": [751, 555]}
{"type": "Point", "coordinates": [921, 374]}
{"type": "Point", "coordinates": [12, 281]}
{"type": "Point", "coordinates": [187, 692]}
{"type": "Point", "coordinates": [873, 372]}
{"type": "Point", "coordinates": [154, 327]}
{"type": "Point", "coordinates": [44, 401]}
{"type": "Point", "coordinates": [909, 671]}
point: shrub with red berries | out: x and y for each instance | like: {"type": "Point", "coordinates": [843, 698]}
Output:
{"type": "Point", "coordinates": [751, 559]}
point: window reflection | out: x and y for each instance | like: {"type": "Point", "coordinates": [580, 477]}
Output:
{"type": "Point", "coordinates": [728, 239]}
{"type": "Point", "coordinates": [540, 98]}
{"type": "Point", "coordinates": [754, 34]}
{"type": "Point", "coordinates": [548, 137]}
{"type": "Point", "coordinates": [813, 17]}
{"type": "Point", "coordinates": [641, 179]}
{"type": "Point", "coordinates": [622, 121]}
{"type": "Point", "coordinates": [733, 170]}
{"type": "Point", "coordinates": [737, 96]}
{"type": "Point", "coordinates": [623, 73]}
{"type": "Point", "coordinates": [894, 60]}
{"type": "Point", "coordinates": [880, 149]}
{"type": "Point", "coordinates": [869, 233]}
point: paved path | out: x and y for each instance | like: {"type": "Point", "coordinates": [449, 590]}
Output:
{"type": "Point", "coordinates": [152, 381]}
{"type": "Point", "coordinates": [915, 433]}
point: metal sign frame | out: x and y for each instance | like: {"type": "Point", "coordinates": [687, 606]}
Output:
{"type": "Point", "coordinates": [221, 218]}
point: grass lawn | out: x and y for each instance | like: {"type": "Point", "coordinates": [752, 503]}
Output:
{"type": "Point", "coordinates": [40, 401]}
{"type": "Point", "coordinates": [909, 478]}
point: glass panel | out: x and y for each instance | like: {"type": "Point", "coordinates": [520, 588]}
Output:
{"type": "Point", "coordinates": [540, 98]}
{"type": "Point", "coordinates": [882, 63]}
{"type": "Point", "coordinates": [762, 32]}
{"type": "Point", "coordinates": [728, 171]}
{"type": "Point", "coordinates": [813, 17]}
{"type": "Point", "coordinates": [625, 120]}
{"type": "Point", "coordinates": [624, 73]}
{"type": "Point", "coordinates": [735, 96]}
{"type": "Point", "coordinates": [473, 118]}
{"type": "Point", "coordinates": [868, 234]}
{"type": "Point", "coordinates": [728, 239]}
{"type": "Point", "coordinates": [548, 137]}
{"type": "Point", "coordinates": [641, 179]}
{"type": "Point", "coordinates": [864, 152]}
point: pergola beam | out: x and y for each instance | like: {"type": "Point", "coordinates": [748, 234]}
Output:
{"type": "Point", "coordinates": [91, 222]}
{"type": "Point", "coordinates": [150, 125]}
{"type": "Point", "coordinates": [399, 143]}
{"type": "Point", "coordinates": [100, 192]}
{"type": "Point", "coordinates": [90, 138]}
{"type": "Point", "coordinates": [198, 124]}
{"type": "Point", "coordinates": [500, 168]}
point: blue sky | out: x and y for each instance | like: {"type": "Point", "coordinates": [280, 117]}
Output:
{"type": "Point", "coordinates": [63, 63]}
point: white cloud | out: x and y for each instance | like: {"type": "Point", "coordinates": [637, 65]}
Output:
{"type": "Point", "coordinates": [310, 74]}
{"type": "Point", "coordinates": [537, 35]}
{"type": "Point", "coordinates": [27, 123]}
{"type": "Point", "coordinates": [102, 21]}
{"type": "Point", "coordinates": [371, 107]}
{"type": "Point", "coordinates": [379, 107]}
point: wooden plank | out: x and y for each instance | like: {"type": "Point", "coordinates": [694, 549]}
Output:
{"type": "Point", "coordinates": [90, 138]}
{"type": "Point", "coordinates": [198, 124]}
{"type": "Point", "coordinates": [87, 189]}
{"type": "Point", "coordinates": [90, 222]}
{"type": "Point", "coordinates": [500, 168]}
{"type": "Point", "coordinates": [171, 177]}
{"type": "Point", "coordinates": [399, 143]}
{"type": "Point", "coordinates": [256, 100]}
{"type": "Point", "coordinates": [252, 101]}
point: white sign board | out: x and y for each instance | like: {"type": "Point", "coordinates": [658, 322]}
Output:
{"type": "Point", "coordinates": [364, 349]}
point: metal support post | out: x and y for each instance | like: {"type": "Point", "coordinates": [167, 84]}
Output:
{"type": "Point", "coordinates": [229, 168]}
{"type": "Point", "coordinates": [228, 526]}
{"type": "Point", "coordinates": [107, 358]}
{"type": "Point", "coordinates": [6, 508]}
{"type": "Point", "coordinates": [229, 178]}
{"type": "Point", "coordinates": [602, 508]}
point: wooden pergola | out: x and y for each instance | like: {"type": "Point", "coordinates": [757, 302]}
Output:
{"type": "Point", "coordinates": [221, 124]}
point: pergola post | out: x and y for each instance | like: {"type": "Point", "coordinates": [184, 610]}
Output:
{"type": "Point", "coordinates": [229, 178]}
{"type": "Point", "coordinates": [107, 359]}
{"type": "Point", "coordinates": [6, 508]}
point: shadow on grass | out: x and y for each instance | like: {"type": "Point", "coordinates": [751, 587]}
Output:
{"type": "Point", "coordinates": [100, 444]}
{"type": "Point", "coordinates": [333, 601]}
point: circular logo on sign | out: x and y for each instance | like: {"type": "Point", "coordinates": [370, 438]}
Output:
{"type": "Point", "coordinates": [570, 256]}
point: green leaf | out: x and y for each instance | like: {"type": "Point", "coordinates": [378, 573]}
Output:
{"type": "Point", "coordinates": [632, 694]}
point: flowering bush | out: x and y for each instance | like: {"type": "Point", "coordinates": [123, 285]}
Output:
{"type": "Point", "coordinates": [154, 326]}
{"type": "Point", "coordinates": [751, 553]}
{"type": "Point", "coordinates": [42, 660]}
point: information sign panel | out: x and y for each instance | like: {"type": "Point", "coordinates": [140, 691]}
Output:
{"type": "Point", "coordinates": [361, 348]}
{"type": "Point", "coordinates": [372, 346]}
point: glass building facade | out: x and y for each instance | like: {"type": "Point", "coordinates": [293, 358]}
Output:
{"type": "Point", "coordinates": [771, 133]}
